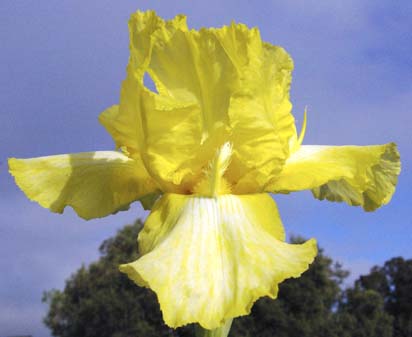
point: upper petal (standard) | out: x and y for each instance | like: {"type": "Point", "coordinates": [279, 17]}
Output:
{"type": "Point", "coordinates": [225, 84]}
{"type": "Point", "coordinates": [261, 121]}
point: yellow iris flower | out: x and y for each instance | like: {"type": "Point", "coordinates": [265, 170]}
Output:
{"type": "Point", "coordinates": [207, 148]}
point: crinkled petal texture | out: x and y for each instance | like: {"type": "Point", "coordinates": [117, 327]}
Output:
{"type": "Point", "coordinates": [95, 184]}
{"type": "Point", "coordinates": [357, 175]}
{"type": "Point", "coordinates": [213, 86]}
{"type": "Point", "coordinates": [210, 259]}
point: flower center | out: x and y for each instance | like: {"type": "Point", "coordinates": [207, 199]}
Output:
{"type": "Point", "coordinates": [213, 182]}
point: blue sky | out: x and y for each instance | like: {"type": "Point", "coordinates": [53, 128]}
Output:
{"type": "Point", "coordinates": [61, 64]}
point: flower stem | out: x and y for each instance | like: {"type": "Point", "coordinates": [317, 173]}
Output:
{"type": "Point", "coordinates": [223, 331]}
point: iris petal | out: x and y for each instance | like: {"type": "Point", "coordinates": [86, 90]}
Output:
{"type": "Point", "coordinates": [213, 86]}
{"type": "Point", "coordinates": [123, 127]}
{"type": "Point", "coordinates": [124, 122]}
{"type": "Point", "coordinates": [169, 134]}
{"type": "Point", "coordinates": [210, 259]}
{"type": "Point", "coordinates": [357, 175]}
{"type": "Point", "coordinates": [179, 128]}
{"type": "Point", "coordinates": [95, 184]}
{"type": "Point", "coordinates": [261, 120]}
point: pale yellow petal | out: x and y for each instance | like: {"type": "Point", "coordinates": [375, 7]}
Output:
{"type": "Point", "coordinates": [210, 259]}
{"type": "Point", "coordinates": [95, 184]}
{"type": "Point", "coordinates": [357, 175]}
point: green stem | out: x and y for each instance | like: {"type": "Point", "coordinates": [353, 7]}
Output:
{"type": "Point", "coordinates": [223, 331]}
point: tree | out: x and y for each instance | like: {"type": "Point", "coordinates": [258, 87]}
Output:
{"type": "Point", "coordinates": [361, 314]}
{"type": "Point", "coordinates": [393, 282]}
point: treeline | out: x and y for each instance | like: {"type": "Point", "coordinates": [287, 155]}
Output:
{"type": "Point", "coordinates": [99, 301]}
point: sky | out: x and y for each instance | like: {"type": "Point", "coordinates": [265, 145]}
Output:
{"type": "Point", "coordinates": [62, 63]}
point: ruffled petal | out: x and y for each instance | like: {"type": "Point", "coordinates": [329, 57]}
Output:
{"type": "Point", "coordinates": [213, 86]}
{"type": "Point", "coordinates": [147, 29]}
{"type": "Point", "coordinates": [261, 120]}
{"type": "Point", "coordinates": [124, 122]}
{"type": "Point", "coordinates": [169, 137]}
{"type": "Point", "coordinates": [177, 130]}
{"type": "Point", "coordinates": [210, 259]}
{"type": "Point", "coordinates": [124, 126]}
{"type": "Point", "coordinates": [357, 175]}
{"type": "Point", "coordinates": [188, 65]}
{"type": "Point", "coordinates": [95, 184]}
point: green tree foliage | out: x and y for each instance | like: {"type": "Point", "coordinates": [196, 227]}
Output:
{"type": "Point", "coordinates": [361, 314]}
{"type": "Point", "coordinates": [99, 301]}
{"type": "Point", "coordinates": [393, 282]}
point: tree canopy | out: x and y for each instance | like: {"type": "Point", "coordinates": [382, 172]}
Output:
{"type": "Point", "coordinates": [393, 281]}
{"type": "Point", "coordinates": [99, 301]}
